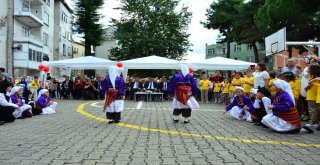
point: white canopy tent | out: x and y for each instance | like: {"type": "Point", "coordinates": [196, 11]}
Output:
{"type": "Point", "coordinates": [152, 62]}
{"type": "Point", "coordinates": [221, 63]}
{"type": "Point", "coordinates": [87, 62]}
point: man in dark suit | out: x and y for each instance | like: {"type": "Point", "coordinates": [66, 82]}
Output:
{"type": "Point", "coordinates": [66, 87]}
{"type": "Point", "coordinates": [135, 86]}
{"type": "Point", "coordinates": [144, 85]}
{"type": "Point", "coordinates": [163, 87]}
{"type": "Point", "coordinates": [152, 85]}
{"type": "Point", "coordinates": [98, 85]}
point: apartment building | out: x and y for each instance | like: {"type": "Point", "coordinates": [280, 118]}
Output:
{"type": "Point", "coordinates": [33, 33]}
{"type": "Point", "coordinates": [62, 40]}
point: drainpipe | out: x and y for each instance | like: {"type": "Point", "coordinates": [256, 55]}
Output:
{"type": "Point", "coordinates": [10, 23]}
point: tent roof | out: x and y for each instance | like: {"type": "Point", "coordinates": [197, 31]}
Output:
{"type": "Point", "coordinates": [87, 62]}
{"type": "Point", "coordinates": [221, 63]}
{"type": "Point", "coordinates": [152, 62]}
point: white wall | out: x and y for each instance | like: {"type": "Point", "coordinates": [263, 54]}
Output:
{"type": "Point", "coordinates": [3, 35]}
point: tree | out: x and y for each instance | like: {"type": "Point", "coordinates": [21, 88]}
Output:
{"type": "Point", "coordinates": [299, 18]}
{"type": "Point", "coordinates": [221, 15]}
{"type": "Point", "coordinates": [151, 27]}
{"type": "Point", "coordinates": [245, 29]}
{"type": "Point", "coordinates": [87, 18]}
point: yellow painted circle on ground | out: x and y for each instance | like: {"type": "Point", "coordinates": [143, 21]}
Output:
{"type": "Point", "coordinates": [81, 110]}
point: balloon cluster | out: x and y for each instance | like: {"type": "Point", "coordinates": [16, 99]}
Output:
{"type": "Point", "coordinates": [44, 66]}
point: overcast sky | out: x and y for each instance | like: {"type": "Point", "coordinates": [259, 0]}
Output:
{"type": "Point", "coordinates": [199, 35]}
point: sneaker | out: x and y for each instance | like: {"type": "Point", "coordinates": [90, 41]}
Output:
{"type": "Point", "coordinates": [110, 121]}
{"type": "Point", "coordinates": [175, 121]}
{"type": "Point", "coordinates": [117, 121]}
{"type": "Point", "coordinates": [186, 122]}
{"type": "Point", "coordinates": [312, 125]}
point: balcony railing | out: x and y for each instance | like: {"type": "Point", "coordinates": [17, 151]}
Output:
{"type": "Point", "coordinates": [29, 16]}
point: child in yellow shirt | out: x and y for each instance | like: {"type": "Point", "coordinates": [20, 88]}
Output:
{"type": "Point", "coordinates": [272, 75]}
{"type": "Point", "coordinates": [204, 88]}
{"type": "Point", "coordinates": [216, 91]}
{"type": "Point", "coordinates": [289, 78]}
{"type": "Point", "coordinates": [313, 97]}
{"type": "Point", "coordinates": [248, 83]}
{"type": "Point", "coordinates": [225, 91]}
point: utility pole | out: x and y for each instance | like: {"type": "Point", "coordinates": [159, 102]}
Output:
{"type": "Point", "coordinates": [10, 23]}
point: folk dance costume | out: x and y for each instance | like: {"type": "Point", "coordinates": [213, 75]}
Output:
{"type": "Point", "coordinates": [284, 117]}
{"type": "Point", "coordinates": [236, 108]}
{"type": "Point", "coordinates": [114, 88]}
{"type": "Point", "coordinates": [183, 87]}
{"type": "Point", "coordinates": [7, 108]}
{"type": "Point", "coordinates": [43, 103]}
{"type": "Point", "coordinates": [24, 110]}
{"type": "Point", "coordinates": [261, 105]}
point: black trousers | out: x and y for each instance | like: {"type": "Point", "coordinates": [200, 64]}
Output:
{"type": "Point", "coordinates": [185, 112]}
{"type": "Point", "coordinates": [6, 113]}
{"type": "Point", "coordinates": [302, 106]}
{"type": "Point", "coordinates": [260, 113]}
{"type": "Point", "coordinates": [115, 116]}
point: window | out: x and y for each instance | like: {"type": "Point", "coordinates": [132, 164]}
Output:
{"type": "Point", "coordinates": [64, 49]}
{"type": "Point", "coordinates": [34, 54]}
{"type": "Point", "coordinates": [25, 32]}
{"type": "Point", "coordinates": [45, 38]}
{"type": "Point", "coordinates": [249, 47]}
{"type": "Point", "coordinates": [64, 18]}
{"type": "Point", "coordinates": [47, 2]}
{"type": "Point", "coordinates": [210, 51]}
{"type": "Point", "coordinates": [224, 51]}
{"type": "Point", "coordinates": [30, 54]}
{"type": "Point", "coordinates": [46, 18]}
{"type": "Point", "coordinates": [237, 48]}
{"type": "Point", "coordinates": [69, 37]}
{"type": "Point", "coordinates": [69, 51]}
{"type": "Point", "coordinates": [39, 56]}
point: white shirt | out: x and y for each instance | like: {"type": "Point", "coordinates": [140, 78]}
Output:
{"type": "Point", "coordinates": [135, 85]}
{"type": "Point", "coordinates": [266, 101]}
{"type": "Point", "coordinates": [165, 86]}
{"type": "Point", "coordinates": [259, 78]}
{"type": "Point", "coordinates": [4, 102]}
{"type": "Point", "coordinates": [304, 82]}
{"type": "Point", "coordinates": [150, 85]}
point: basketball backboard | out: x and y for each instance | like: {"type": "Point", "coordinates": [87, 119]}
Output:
{"type": "Point", "coordinates": [276, 42]}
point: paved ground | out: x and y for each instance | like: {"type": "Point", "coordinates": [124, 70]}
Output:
{"type": "Point", "coordinates": [80, 135]}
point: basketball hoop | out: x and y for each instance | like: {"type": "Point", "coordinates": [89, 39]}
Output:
{"type": "Point", "coordinates": [274, 47]}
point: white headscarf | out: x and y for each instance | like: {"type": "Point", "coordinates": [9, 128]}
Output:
{"type": "Point", "coordinates": [240, 88]}
{"type": "Point", "coordinates": [113, 73]}
{"type": "Point", "coordinates": [285, 87]}
{"type": "Point", "coordinates": [254, 91]}
{"type": "Point", "coordinates": [41, 92]}
{"type": "Point", "coordinates": [184, 69]}
{"type": "Point", "coordinates": [14, 90]}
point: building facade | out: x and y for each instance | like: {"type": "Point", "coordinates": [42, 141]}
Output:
{"type": "Point", "coordinates": [77, 51]}
{"type": "Point", "coordinates": [33, 33]}
{"type": "Point", "coordinates": [243, 52]}
{"type": "Point", "coordinates": [62, 40]}
{"type": "Point", "coordinates": [103, 51]}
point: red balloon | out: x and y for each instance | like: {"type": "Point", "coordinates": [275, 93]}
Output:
{"type": "Point", "coordinates": [119, 64]}
{"type": "Point", "coordinates": [40, 67]}
{"type": "Point", "coordinates": [190, 70]}
{"type": "Point", "coordinates": [45, 69]}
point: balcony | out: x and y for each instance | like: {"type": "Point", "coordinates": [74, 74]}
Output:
{"type": "Point", "coordinates": [30, 40]}
{"type": "Point", "coordinates": [29, 17]}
